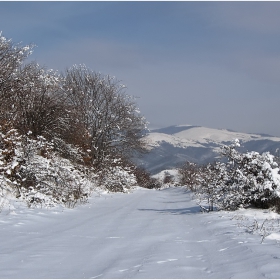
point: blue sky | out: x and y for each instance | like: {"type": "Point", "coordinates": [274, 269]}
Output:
{"type": "Point", "coordinates": [214, 64]}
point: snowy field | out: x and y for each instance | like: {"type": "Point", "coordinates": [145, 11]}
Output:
{"type": "Point", "coordinates": [144, 234]}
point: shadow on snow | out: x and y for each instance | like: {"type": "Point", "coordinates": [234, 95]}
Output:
{"type": "Point", "coordinates": [175, 211]}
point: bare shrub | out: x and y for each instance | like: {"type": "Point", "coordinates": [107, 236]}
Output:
{"type": "Point", "coordinates": [168, 178]}
{"type": "Point", "coordinates": [145, 179]}
{"type": "Point", "coordinates": [189, 175]}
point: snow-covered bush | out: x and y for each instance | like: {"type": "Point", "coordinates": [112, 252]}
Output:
{"type": "Point", "coordinates": [69, 151]}
{"type": "Point", "coordinates": [47, 173]}
{"type": "Point", "coordinates": [115, 175]}
{"type": "Point", "coordinates": [245, 179]}
{"type": "Point", "coordinates": [53, 181]}
{"type": "Point", "coordinates": [211, 181]}
{"type": "Point", "coordinates": [9, 182]}
{"type": "Point", "coordinates": [254, 177]}
{"type": "Point", "coordinates": [11, 158]}
{"type": "Point", "coordinates": [33, 171]}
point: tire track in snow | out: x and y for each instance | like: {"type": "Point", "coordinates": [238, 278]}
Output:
{"type": "Point", "coordinates": [146, 234]}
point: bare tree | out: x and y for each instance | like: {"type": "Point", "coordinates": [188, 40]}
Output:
{"type": "Point", "coordinates": [109, 118]}
{"type": "Point", "coordinates": [11, 58]}
{"type": "Point", "coordinates": [39, 103]}
{"type": "Point", "coordinates": [189, 173]}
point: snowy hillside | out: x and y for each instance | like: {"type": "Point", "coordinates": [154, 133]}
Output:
{"type": "Point", "coordinates": [173, 145]}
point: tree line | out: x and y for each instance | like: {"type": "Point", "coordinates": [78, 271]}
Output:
{"type": "Point", "coordinates": [79, 106]}
{"type": "Point", "coordinates": [84, 116]}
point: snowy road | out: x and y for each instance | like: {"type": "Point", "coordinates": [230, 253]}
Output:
{"type": "Point", "coordinates": [146, 234]}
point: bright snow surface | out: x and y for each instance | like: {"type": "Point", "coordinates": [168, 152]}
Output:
{"type": "Point", "coordinates": [144, 234]}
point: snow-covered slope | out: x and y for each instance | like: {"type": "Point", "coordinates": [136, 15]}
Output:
{"type": "Point", "coordinates": [173, 145]}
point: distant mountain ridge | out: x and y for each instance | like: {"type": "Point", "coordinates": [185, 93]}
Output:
{"type": "Point", "coordinates": [173, 129]}
{"type": "Point", "coordinates": [171, 146]}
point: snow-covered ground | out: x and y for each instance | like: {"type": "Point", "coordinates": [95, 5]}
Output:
{"type": "Point", "coordinates": [144, 234]}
